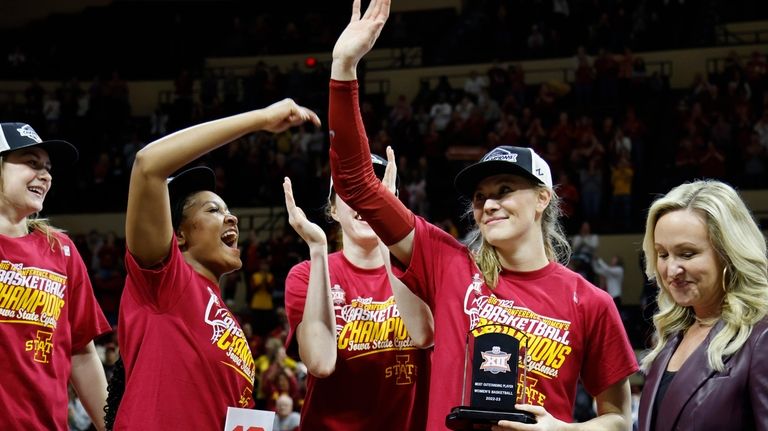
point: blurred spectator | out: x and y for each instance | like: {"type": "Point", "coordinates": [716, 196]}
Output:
{"type": "Point", "coordinates": [591, 185]}
{"type": "Point", "coordinates": [285, 418]}
{"type": "Point", "coordinates": [712, 162]}
{"type": "Point", "coordinates": [584, 78]}
{"type": "Point", "coordinates": [761, 128]}
{"type": "Point", "coordinates": [584, 244]}
{"type": "Point", "coordinates": [569, 196]}
{"type": "Point", "coordinates": [606, 76]}
{"type": "Point", "coordinates": [475, 84]}
{"type": "Point", "coordinates": [17, 59]}
{"type": "Point", "coordinates": [613, 276]}
{"type": "Point", "coordinates": [440, 112]}
{"type": "Point", "coordinates": [77, 417]}
{"type": "Point", "coordinates": [535, 42]}
{"type": "Point", "coordinates": [261, 284]}
{"type": "Point", "coordinates": [622, 174]}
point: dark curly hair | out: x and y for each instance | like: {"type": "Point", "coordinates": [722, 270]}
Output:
{"type": "Point", "coordinates": [115, 390]}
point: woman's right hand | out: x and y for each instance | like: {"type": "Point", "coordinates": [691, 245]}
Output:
{"type": "Point", "coordinates": [310, 232]}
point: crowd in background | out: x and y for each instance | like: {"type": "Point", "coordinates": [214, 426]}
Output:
{"type": "Point", "coordinates": [613, 135]}
{"type": "Point", "coordinates": [477, 32]}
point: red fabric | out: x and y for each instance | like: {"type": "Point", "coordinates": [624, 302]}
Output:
{"type": "Point", "coordinates": [186, 357]}
{"type": "Point", "coordinates": [574, 328]}
{"type": "Point", "coordinates": [47, 312]}
{"type": "Point", "coordinates": [380, 381]}
{"type": "Point", "coordinates": [353, 176]}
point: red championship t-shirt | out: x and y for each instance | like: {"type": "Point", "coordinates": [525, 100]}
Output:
{"type": "Point", "coordinates": [47, 312]}
{"type": "Point", "coordinates": [381, 380]}
{"type": "Point", "coordinates": [572, 328]}
{"type": "Point", "coordinates": [186, 358]}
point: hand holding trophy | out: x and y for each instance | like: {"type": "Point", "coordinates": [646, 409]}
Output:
{"type": "Point", "coordinates": [497, 358]}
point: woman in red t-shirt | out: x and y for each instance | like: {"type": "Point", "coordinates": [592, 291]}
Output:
{"type": "Point", "coordinates": [185, 357]}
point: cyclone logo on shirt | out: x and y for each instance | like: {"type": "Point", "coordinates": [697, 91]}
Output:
{"type": "Point", "coordinates": [472, 304]}
{"type": "Point", "coordinates": [229, 337]}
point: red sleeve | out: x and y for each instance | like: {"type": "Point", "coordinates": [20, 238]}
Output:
{"type": "Point", "coordinates": [159, 288]}
{"type": "Point", "coordinates": [353, 176]}
{"type": "Point", "coordinates": [609, 356]}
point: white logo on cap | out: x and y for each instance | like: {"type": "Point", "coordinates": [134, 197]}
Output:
{"type": "Point", "coordinates": [28, 132]}
{"type": "Point", "coordinates": [501, 154]}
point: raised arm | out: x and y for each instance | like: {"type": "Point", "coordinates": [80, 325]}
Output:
{"type": "Point", "coordinates": [415, 313]}
{"type": "Point", "coordinates": [148, 229]}
{"type": "Point", "coordinates": [316, 334]}
{"type": "Point", "coordinates": [352, 173]}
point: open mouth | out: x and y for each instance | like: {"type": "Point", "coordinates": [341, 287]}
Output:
{"type": "Point", "coordinates": [39, 191]}
{"type": "Point", "coordinates": [230, 238]}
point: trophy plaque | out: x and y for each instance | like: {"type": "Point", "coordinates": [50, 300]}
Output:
{"type": "Point", "coordinates": [491, 379]}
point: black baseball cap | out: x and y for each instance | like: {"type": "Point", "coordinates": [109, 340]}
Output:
{"type": "Point", "coordinates": [192, 180]}
{"type": "Point", "coordinates": [504, 159]}
{"type": "Point", "coordinates": [379, 167]}
{"type": "Point", "coordinates": [15, 136]}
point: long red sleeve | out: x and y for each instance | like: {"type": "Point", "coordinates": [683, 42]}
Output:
{"type": "Point", "coordinates": [353, 176]}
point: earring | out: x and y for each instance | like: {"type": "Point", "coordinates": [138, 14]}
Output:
{"type": "Point", "coordinates": [725, 271]}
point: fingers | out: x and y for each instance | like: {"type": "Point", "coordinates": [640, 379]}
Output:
{"type": "Point", "coordinates": [313, 117]}
{"type": "Point", "coordinates": [299, 114]}
{"type": "Point", "coordinates": [288, 190]}
{"type": "Point", "coordinates": [290, 203]}
{"type": "Point", "coordinates": [390, 172]}
{"type": "Point", "coordinates": [382, 9]}
{"type": "Point", "coordinates": [296, 215]}
{"type": "Point", "coordinates": [390, 156]}
{"type": "Point", "coordinates": [377, 10]}
{"type": "Point", "coordinates": [536, 410]}
{"type": "Point", "coordinates": [369, 9]}
{"type": "Point", "coordinates": [355, 10]}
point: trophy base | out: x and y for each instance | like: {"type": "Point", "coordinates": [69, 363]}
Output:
{"type": "Point", "coordinates": [468, 418]}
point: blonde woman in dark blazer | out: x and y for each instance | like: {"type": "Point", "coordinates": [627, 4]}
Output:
{"type": "Point", "coordinates": [709, 367]}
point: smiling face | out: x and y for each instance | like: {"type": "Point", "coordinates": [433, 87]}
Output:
{"type": "Point", "coordinates": [353, 226]}
{"type": "Point", "coordinates": [208, 233]}
{"type": "Point", "coordinates": [508, 209]}
{"type": "Point", "coordinates": [26, 180]}
{"type": "Point", "coordinates": [688, 267]}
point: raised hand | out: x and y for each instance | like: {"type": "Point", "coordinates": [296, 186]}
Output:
{"type": "Point", "coordinates": [358, 38]}
{"type": "Point", "coordinates": [390, 173]}
{"type": "Point", "coordinates": [310, 232]}
{"type": "Point", "coordinates": [286, 113]}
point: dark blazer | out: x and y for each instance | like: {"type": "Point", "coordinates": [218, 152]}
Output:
{"type": "Point", "coordinates": [699, 398]}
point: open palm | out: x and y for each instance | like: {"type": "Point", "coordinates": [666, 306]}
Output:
{"type": "Point", "coordinates": [361, 32]}
{"type": "Point", "coordinates": [310, 232]}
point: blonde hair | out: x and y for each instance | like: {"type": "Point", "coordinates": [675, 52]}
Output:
{"type": "Point", "coordinates": [736, 238]}
{"type": "Point", "coordinates": [556, 245]}
{"type": "Point", "coordinates": [35, 224]}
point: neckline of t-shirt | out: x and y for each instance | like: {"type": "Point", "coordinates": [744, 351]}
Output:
{"type": "Point", "coordinates": [363, 271]}
{"type": "Point", "coordinates": [530, 275]}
